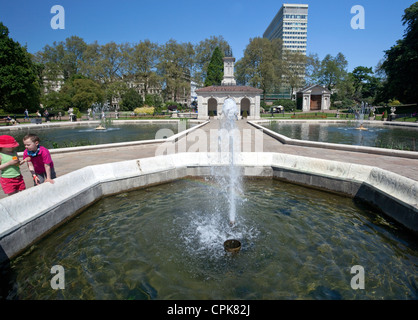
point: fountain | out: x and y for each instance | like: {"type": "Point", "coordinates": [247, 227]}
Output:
{"type": "Point", "coordinates": [229, 141]}
{"type": "Point", "coordinates": [101, 108]}
{"type": "Point", "coordinates": [165, 241]}
{"type": "Point", "coordinates": [362, 112]}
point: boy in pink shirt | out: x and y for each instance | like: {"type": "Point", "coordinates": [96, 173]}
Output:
{"type": "Point", "coordinates": [39, 160]}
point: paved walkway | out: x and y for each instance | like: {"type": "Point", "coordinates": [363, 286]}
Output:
{"type": "Point", "coordinates": [68, 162]}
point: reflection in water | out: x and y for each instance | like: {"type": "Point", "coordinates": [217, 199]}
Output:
{"type": "Point", "coordinates": [375, 136]}
{"type": "Point", "coordinates": [166, 242]}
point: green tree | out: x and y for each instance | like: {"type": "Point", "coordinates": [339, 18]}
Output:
{"type": "Point", "coordinates": [312, 70]}
{"type": "Point", "coordinates": [116, 90]}
{"type": "Point", "coordinates": [131, 100]}
{"type": "Point", "coordinates": [294, 71]}
{"type": "Point", "coordinates": [401, 61]}
{"type": "Point", "coordinates": [56, 101]}
{"type": "Point", "coordinates": [203, 54]}
{"type": "Point", "coordinates": [365, 84]}
{"type": "Point", "coordinates": [174, 67]}
{"type": "Point", "coordinates": [19, 81]}
{"type": "Point", "coordinates": [87, 92]}
{"type": "Point", "coordinates": [142, 61]}
{"type": "Point", "coordinates": [333, 70]}
{"type": "Point", "coordinates": [74, 48]}
{"type": "Point", "coordinates": [82, 92]}
{"type": "Point", "coordinates": [215, 71]}
{"type": "Point", "coordinates": [262, 65]}
{"type": "Point", "coordinates": [91, 65]}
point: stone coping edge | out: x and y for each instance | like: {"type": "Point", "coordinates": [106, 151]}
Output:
{"type": "Point", "coordinates": [335, 146]}
{"type": "Point", "coordinates": [29, 215]}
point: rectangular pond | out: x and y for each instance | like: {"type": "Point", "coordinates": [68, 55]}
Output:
{"type": "Point", "coordinates": [375, 135]}
{"type": "Point", "coordinates": [83, 135]}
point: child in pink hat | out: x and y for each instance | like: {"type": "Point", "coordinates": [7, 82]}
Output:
{"type": "Point", "coordinates": [11, 179]}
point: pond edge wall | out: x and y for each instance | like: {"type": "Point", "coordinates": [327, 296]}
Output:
{"type": "Point", "coordinates": [31, 214]}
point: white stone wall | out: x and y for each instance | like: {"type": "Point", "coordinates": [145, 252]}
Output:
{"type": "Point", "coordinates": [220, 97]}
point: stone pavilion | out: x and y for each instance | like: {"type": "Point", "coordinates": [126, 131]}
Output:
{"type": "Point", "coordinates": [211, 99]}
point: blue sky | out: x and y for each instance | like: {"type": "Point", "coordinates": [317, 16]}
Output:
{"type": "Point", "coordinates": [329, 30]}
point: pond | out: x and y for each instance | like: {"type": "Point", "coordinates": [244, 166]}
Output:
{"type": "Point", "coordinates": [381, 136]}
{"type": "Point", "coordinates": [82, 135]}
{"type": "Point", "coordinates": [165, 242]}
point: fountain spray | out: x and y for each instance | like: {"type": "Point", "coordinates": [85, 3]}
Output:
{"type": "Point", "coordinates": [229, 136]}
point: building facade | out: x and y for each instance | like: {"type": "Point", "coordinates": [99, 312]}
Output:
{"type": "Point", "coordinates": [291, 25]}
{"type": "Point", "coordinates": [210, 99]}
{"type": "Point", "coordinates": [313, 98]}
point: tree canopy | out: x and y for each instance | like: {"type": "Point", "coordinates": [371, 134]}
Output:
{"type": "Point", "coordinates": [262, 65]}
{"type": "Point", "coordinates": [215, 71]}
{"type": "Point", "coordinates": [19, 81]}
{"type": "Point", "coordinates": [401, 62]}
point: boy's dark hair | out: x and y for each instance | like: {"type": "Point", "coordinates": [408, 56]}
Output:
{"type": "Point", "coordinates": [31, 136]}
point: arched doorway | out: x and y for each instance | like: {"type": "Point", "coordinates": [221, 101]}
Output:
{"type": "Point", "coordinates": [316, 102]}
{"type": "Point", "coordinates": [212, 106]}
{"type": "Point", "coordinates": [245, 106]}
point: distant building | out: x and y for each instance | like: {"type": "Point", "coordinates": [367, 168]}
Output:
{"type": "Point", "coordinates": [291, 26]}
{"type": "Point", "coordinates": [50, 85]}
{"type": "Point", "coordinates": [313, 98]}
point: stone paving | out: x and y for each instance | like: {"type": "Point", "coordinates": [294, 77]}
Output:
{"type": "Point", "coordinates": [71, 161]}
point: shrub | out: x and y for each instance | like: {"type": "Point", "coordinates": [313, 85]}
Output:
{"type": "Point", "coordinates": [144, 110]}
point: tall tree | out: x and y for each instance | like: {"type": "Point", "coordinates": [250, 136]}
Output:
{"type": "Point", "coordinates": [294, 72]}
{"type": "Point", "coordinates": [114, 61]}
{"type": "Point", "coordinates": [333, 70]}
{"type": "Point", "coordinates": [175, 65]}
{"type": "Point", "coordinates": [203, 53]}
{"type": "Point", "coordinates": [143, 60]}
{"type": "Point", "coordinates": [73, 56]}
{"type": "Point", "coordinates": [262, 64]}
{"type": "Point", "coordinates": [312, 70]}
{"type": "Point", "coordinates": [91, 66]}
{"type": "Point", "coordinates": [401, 61]}
{"type": "Point", "coordinates": [131, 99]}
{"type": "Point", "coordinates": [81, 92]}
{"type": "Point", "coordinates": [366, 85]}
{"type": "Point", "coordinates": [19, 81]}
{"type": "Point", "coordinates": [215, 71]}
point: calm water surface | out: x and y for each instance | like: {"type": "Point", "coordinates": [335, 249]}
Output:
{"type": "Point", "coordinates": [165, 242]}
{"type": "Point", "coordinates": [71, 136]}
{"type": "Point", "coordinates": [392, 137]}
